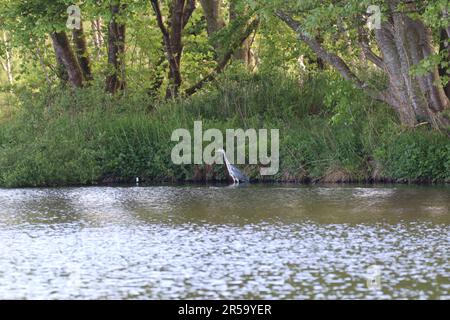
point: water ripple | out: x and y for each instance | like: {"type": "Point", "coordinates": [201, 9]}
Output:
{"type": "Point", "coordinates": [222, 243]}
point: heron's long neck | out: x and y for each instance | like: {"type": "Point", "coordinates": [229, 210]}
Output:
{"type": "Point", "coordinates": [226, 160]}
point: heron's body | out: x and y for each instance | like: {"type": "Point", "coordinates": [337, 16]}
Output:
{"type": "Point", "coordinates": [232, 171]}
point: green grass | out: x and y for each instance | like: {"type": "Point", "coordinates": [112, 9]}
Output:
{"type": "Point", "coordinates": [329, 132]}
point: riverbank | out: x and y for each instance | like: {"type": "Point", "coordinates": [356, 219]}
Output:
{"type": "Point", "coordinates": [329, 132]}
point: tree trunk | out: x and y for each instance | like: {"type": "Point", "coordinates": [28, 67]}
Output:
{"type": "Point", "coordinates": [214, 20]}
{"type": "Point", "coordinates": [96, 26]}
{"type": "Point", "coordinates": [176, 30]}
{"type": "Point", "coordinates": [180, 13]}
{"type": "Point", "coordinates": [398, 96]}
{"type": "Point", "coordinates": [403, 43]}
{"type": "Point", "coordinates": [444, 47]}
{"type": "Point", "coordinates": [79, 41]}
{"type": "Point", "coordinates": [116, 50]}
{"type": "Point", "coordinates": [414, 43]}
{"type": "Point", "coordinates": [61, 71]}
{"type": "Point", "coordinates": [7, 65]}
{"type": "Point", "coordinates": [66, 58]}
{"type": "Point", "coordinates": [445, 16]}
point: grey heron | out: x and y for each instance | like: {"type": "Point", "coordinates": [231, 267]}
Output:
{"type": "Point", "coordinates": [233, 172]}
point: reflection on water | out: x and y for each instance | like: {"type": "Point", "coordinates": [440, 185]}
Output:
{"type": "Point", "coordinates": [266, 242]}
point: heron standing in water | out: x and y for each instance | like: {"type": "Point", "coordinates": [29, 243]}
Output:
{"type": "Point", "coordinates": [233, 172]}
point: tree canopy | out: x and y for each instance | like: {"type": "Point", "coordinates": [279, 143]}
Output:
{"type": "Point", "coordinates": [172, 48]}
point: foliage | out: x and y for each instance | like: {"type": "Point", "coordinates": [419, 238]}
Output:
{"type": "Point", "coordinates": [418, 155]}
{"type": "Point", "coordinates": [88, 137]}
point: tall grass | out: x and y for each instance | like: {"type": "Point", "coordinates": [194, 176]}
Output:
{"type": "Point", "coordinates": [329, 132]}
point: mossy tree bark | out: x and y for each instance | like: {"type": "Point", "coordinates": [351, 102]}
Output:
{"type": "Point", "coordinates": [403, 43]}
{"type": "Point", "coordinates": [67, 62]}
{"type": "Point", "coordinates": [214, 20]}
{"type": "Point", "coordinates": [180, 13]}
{"type": "Point", "coordinates": [115, 80]}
{"type": "Point", "coordinates": [79, 41]}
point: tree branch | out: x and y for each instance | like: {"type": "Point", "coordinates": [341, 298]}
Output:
{"type": "Point", "coordinates": [370, 55]}
{"type": "Point", "coordinates": [166, 37]}
{"type": "Point", "coordinates": [188, 10]}
{"type": "Point", "coordinates": [334, 60]}
{"type": "Point", "coordinates": [225, 59]}
{"type": "Point", "coordinates": [330, 58]}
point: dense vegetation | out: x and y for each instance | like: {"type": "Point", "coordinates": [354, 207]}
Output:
{"type": "Point", "coordinates": [99, 104]}
{"type": "Point", "coordinates": [86, 137]}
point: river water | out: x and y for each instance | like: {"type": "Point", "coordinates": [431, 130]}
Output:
{"type": "Point", "coordinates": [219, 242]}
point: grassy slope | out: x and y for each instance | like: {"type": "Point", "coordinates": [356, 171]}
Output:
{"type": "Point", "coordinates": [329, 132]}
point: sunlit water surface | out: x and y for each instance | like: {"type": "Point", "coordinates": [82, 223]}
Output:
{"type": "Point", "coordinates": [196, 242]}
